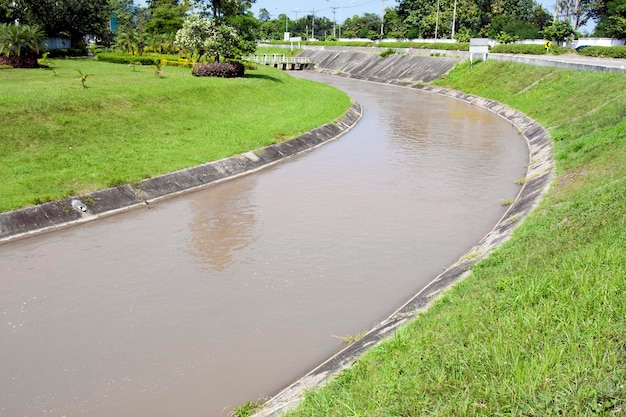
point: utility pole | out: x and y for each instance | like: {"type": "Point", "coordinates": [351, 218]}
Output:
{"type": "Point", "coordinates": [313, 25]}
{"type": "Point", "coordinates": [334, 19]}
{"type": "Point", "coordinates": [453, 18]}
{"type": "Point", "coordinates": [382, 20]}
{"type": "Point", "coordinates": [437, 22]}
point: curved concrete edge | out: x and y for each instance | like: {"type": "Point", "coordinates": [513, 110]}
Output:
{"type": "Point", "coordinates": [539, 176]}
{"type": "Point", "coordinates": [80, 209]}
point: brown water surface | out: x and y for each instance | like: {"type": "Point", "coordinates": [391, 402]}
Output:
{"type": "Point", "coordinates": [228, 294]}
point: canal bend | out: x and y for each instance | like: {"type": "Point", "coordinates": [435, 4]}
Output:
{"type": "Point", "coordinates": [228, 294]}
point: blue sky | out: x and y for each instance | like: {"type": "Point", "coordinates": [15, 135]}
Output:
{"type": "Point", "coordinates": [343, 8]}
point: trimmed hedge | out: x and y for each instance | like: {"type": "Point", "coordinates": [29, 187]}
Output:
{"type": "Point", "coordinates": [66, 52]}
{"type": "Point", "coordinates": [529, 49]}
{"type": "Point", "coordinates": [116, 58]}
{"type": "Point", "coordinates": [219, 69]}
{"type": "Point", "coordinates": [604, 51]}
{"type": "Point", "coordinates": [183, 63]}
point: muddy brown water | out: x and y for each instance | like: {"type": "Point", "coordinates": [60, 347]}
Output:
{"type": "Point", "coordinates": [228, 294]}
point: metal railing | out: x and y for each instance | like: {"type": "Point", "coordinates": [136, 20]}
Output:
{"type": "Point", "coordinates": [275, 59]}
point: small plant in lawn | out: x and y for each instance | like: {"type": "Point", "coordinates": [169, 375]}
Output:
{"type": "Point", "coordinates": [158, 71]}
{"type": "Point", "coordinates": [82, 77]}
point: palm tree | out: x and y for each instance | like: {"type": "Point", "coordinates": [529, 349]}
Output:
{"type": "Point", "coordinates": [19, 45]}
{"type": "Point", "coordinates": [127, 41]}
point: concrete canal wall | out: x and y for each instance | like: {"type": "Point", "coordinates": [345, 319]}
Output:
{"type": "Point", "coordinates": [368, 64]}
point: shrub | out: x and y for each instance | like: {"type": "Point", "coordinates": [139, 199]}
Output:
{"type": "Point", "coordinates": [530, 49]}
{"type": "Point", "coordinates": [117, 58]}
{"type": "Point", "coordinates": [182, 63]}
{"type": "Point", "coordinates": [387, 52]}
{"type": "Point", "coordinates": [65, 52]}
{"type": "Point", "coordinates": [5, 66]}
{"type": "Point", "coordinates": [604, 51]}
{"type": "Point", "coordinates": [219, 69]}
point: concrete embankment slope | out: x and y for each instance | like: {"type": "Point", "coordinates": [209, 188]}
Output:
{"type": "Point", "coordinates": [368, 64]}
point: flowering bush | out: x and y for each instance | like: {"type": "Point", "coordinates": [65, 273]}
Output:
{"type": "Point", "coordinates": [207, 37]}
{"type": "Point", "coordinates": [218, 69]}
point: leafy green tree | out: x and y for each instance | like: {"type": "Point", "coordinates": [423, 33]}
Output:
{"type": "Point", "coordinates": [234, 13]}
{"type": "Point", "coordinates": [162, 42]}
{"type": "Point", "coordinates": [365, 26]}
{"type": "Point", "coordinates": [515, 18]}
{"type": "Point", "coordinates": [611, 19]}
{"type": "Point", "coordinates": [394, 27]}
{"type": "Point", "coordinates": [264, 15]}
{"type": "Point", "coordinates": [6, 11]}
{"type": "Point", "coordinates": [559, 31]}
{"type": "Point", "coordinates": [19, 44]}
{"type": "Point", "coordinates": [125, 12]}
{"type": "Point", "coordinates": [73, 18]}
{"type": "Point", "coordinates": [165, 17]}
{"type": "Point", "coordinates": [219, 9]}
{"type": "Point", "coordinates": [616, 25]}
{"type": "Point", "coordinates": [127, 41]}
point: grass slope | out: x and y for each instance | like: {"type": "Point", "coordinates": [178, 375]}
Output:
{"type": "Point", "coordinates": [539, 328]}
{"type": "Point", "coordinates": [59, 139]}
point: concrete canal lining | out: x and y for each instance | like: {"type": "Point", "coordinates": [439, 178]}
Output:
{"type": "Point", "coordinates": [539, 176]}
{"type": "Point", "coordinates": [368, 64]}
{"type": "Point", "coordinates": [79, 209]}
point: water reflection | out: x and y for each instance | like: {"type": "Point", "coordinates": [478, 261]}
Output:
{"type": "Point", "coordinates": [223, 224]}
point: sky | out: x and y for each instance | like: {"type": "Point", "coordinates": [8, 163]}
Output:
{"type": "Point", "coordinates": [343, 8]}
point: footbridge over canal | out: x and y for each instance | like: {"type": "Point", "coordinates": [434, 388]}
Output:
{"type": "Point", "coordinates": [281, 61]}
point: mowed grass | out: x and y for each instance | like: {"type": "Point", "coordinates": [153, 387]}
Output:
{"type": "Point", "coordinates": [59, 139]}
{"type": "Point", "coordinates": [539, 328]}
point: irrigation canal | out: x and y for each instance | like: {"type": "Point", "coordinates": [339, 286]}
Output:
{"type": "Point", "coordinates": [230, 293]}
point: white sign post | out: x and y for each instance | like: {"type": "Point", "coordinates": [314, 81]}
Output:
{"type": "Point", "coordinates": [295, 39]}
{"type": "Point", "coordinates": [478, 46]}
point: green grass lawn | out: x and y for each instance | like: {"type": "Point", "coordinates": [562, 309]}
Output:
{"type": "Point", "coordinates": [539, 328]}
{"type": "Point", "coordinates": [59, 139]}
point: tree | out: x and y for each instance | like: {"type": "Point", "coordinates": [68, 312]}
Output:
{"type": "Point", "coordinates": [6, 11]}
{"type": "Point", "coordinates": [165, 17]}
{"type": "Point", "coordinates": [125, 13]}
{"type": "Point", "coordinates": [612, 19]}
{"type": "Point", "coordinates": [127, 41]}
{"type": "Point", "coordinates": [19, 44]}
{"type": "Point", "coordinates": [208, 36]}
{"type": "Point", "coordinates": [73, 18]}
{"type": "Point", "coordinates": [578, 12]}
{"type": "Point", "coordinates": [507, 18]}
{"type": "Point", "coordinates": [264, 15]}
{"type": "Point", "coordinates": [559, 31]}
{"type": "Point", "coordinates": [219, 9]}
{"type": "Point", "coordinates": [366, 26]}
